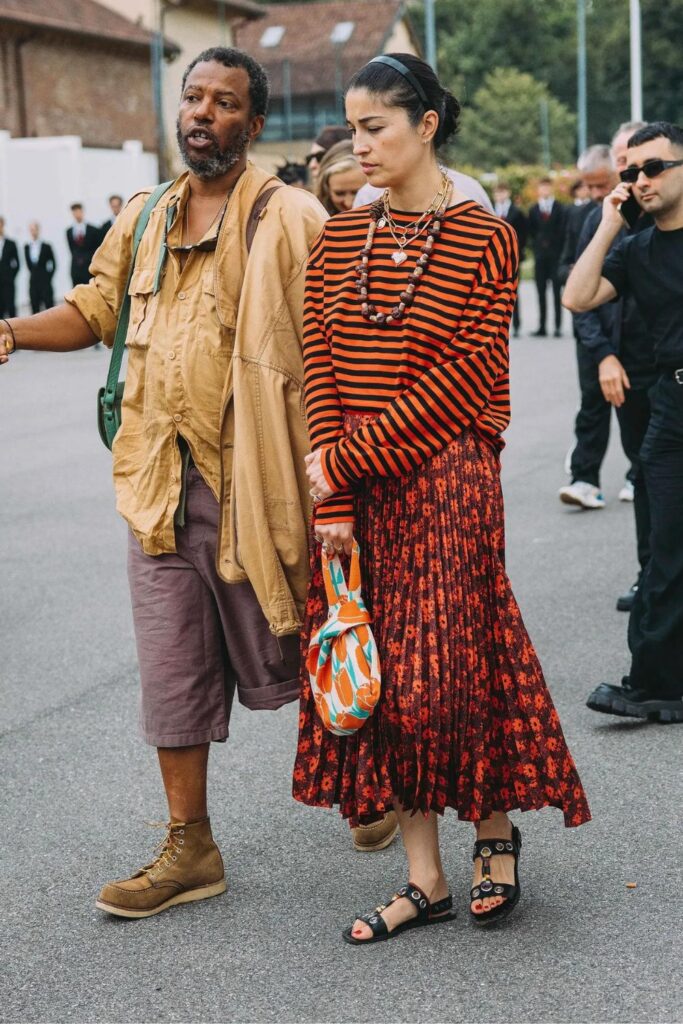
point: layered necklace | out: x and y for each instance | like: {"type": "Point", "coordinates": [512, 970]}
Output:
{"type": "Point", "coordinates": [381, 217]}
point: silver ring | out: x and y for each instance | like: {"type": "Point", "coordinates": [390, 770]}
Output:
{"type": "Point", "coordinates": [318, 538]}
{"type": "Point", "coordinates": [316, 497]}
{"type": "Point", "coordinates": [327, 547]}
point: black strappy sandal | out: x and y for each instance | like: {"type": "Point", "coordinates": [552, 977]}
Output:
{"type": "Point", "coordinates": [487, 848]}
{"type": "Point", "coordinates": [426, 914]}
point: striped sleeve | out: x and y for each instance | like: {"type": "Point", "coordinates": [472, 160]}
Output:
{"type": "Point", "coordinates": [450, 395]}
{"type": "Point", "coordinates": [323, 405]}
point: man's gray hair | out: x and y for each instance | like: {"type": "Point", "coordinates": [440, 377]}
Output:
{"type": "Point", "coordinates": [628, 126]}
{"type": "Point", "coordinates": [593, 158]}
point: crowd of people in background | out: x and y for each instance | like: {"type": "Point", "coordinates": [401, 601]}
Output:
{"type": "Point", "coordinates": [83, 240]}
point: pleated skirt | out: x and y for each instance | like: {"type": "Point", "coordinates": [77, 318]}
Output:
{"type": "Point", "coordinates": [465, 719]}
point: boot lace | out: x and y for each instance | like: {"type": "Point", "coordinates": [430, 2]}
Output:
{"type": "Point", "coordinates": [169, 848]}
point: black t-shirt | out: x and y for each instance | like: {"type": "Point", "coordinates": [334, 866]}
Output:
{"type": "Point", "coordinates": [649, 266]}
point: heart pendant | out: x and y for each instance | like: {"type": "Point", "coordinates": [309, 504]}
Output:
{"type": "Point", "coordinates": [399, 257]}
{"type": "Point", "coordinates": [381, 223]}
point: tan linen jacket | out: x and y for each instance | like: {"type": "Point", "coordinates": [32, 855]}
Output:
{"type": "Point", "coordinates": [261, 433]}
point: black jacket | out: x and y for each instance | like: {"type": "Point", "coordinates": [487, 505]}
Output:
{"type": "Point", "coordinates": [82, 252]}
{"type": "Point", "coordinates": [575, 218]}
{"type": "Point", "coordinates": [9, 262]}
{"type": "Point", "coordinates": [617, 328]}
{"type": "Point", "coordinates": [104, 228]}
{"type": "Point", "coordinates": [518, 221]}
{"type": "Point", "coordinates": [547, 234]}
{"type": "Point", "coordinates": [44, 267]}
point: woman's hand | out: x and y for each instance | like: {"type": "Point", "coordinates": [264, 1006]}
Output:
{"type": "Point", "coordinates": [320, 488]}
{"type": "Point", "coordinates": [335, 537]}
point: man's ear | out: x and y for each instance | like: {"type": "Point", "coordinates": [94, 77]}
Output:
{"type": "Point", "coordinates": [256, 127]}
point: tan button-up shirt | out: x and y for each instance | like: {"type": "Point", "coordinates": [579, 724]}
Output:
{"type": "Point", "coordinates": [178, 363]}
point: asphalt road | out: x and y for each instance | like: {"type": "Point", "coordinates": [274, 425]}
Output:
{"type": "Point", "coordinates": [78, 785]}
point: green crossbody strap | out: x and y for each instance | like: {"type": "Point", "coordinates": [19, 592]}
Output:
{"type": "Point", "coordinates": [109, 394]}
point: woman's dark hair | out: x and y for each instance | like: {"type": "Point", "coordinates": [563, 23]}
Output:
{"type": "Point", "coordinates": [658, 130]}
{"type": "Point", "coordinates": [259, 90]}
{"type": "Point", "coordinates": [397, 91]}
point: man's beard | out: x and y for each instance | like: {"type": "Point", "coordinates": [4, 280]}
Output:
{"type": "Point", "coordinates": [215, 163]}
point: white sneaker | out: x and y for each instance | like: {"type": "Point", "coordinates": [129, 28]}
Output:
{"type": "Point", "coordinates": [583, 494]}
{"type": "Point", "coordinates": [626, 492]}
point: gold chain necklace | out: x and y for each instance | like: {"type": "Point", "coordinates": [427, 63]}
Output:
{"type": "Point", "coordinates": [403, 236]}
{"type": "Point", "coordinates": [407, 297]}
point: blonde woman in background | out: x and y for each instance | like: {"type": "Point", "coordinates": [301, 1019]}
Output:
{"type": "Point", "coordinates": [339, 178]}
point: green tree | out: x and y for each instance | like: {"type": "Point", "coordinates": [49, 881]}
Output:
{"type": "Point", "coordinates": [539, 37]}
{"type": "Point", "coordinates": [503, 123]}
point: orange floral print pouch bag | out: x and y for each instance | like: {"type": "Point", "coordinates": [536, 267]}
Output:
{"type": "Point", "coordinates": [343, 662]}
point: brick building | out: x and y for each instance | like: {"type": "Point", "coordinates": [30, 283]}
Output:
{"type": "Point", "coordinates": [74, 67]}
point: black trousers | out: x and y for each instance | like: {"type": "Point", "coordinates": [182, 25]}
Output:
{"type": "Point", "coordinates": [547, 271]}
{"type": "Point", "coordinates": [634, 419]}
{"type": "Point", "coordinates": [8, 306]}
{"type": "Point", "coordinates": [655, 632]}
{"type": "Point", "coordinates": [592, 423]}
{"type": "Point", "coordinates": [40, 294]}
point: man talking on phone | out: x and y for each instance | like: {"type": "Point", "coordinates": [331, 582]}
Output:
{"type": "Point", "coordinates": [649, 267]}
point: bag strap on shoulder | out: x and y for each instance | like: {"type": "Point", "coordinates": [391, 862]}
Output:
{"type": "Point", "coordinates": [256, 211]}
{"type": "Point", "coordinates": [124, 313]}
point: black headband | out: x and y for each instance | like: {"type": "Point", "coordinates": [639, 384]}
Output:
{"type": "Point", "coordinates": [407, 74]}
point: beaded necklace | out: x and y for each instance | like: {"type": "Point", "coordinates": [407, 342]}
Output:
{"type": "Point", "coordinates": [380, 216]}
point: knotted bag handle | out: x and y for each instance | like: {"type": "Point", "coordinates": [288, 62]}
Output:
{"type": "Point", "coordinates": [333, 574]}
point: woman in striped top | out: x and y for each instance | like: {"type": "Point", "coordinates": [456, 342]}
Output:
{"type": "Point", "coordinates": [408, 304]}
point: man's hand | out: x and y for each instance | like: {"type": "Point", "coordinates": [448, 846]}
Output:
{"type": "Point", "coordinates": [6, 343]}
{"type": "Point", "coordinates": [613, 379]}
{"type": "Point", "coordinates": [319, 486]}
{"type": "Point", "coordinates": [610, 206]}
{"type": "Point", "coordinates": [335, 537]}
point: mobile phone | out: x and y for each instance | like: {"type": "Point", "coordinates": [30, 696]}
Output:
{"type": "Point", "coordinates": [630, 211]}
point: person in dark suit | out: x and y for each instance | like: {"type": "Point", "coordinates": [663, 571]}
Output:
{"type": "Point", "coordinates": [40, 260]}
{"type": "Point", "coordinates": [115, 205]}
{"type": "Point", "coordinates": [592, 424]}
{"type": "Point", "coordinates": [9, 268]}
{"type": "Point", "coordinates": [505, 208]}
{"type": "Point", "coordinates": [546, 230]}
{"type": "Point", "coordinates": [84, 240]}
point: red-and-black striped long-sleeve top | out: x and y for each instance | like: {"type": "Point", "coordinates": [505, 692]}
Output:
{"type": "Point", "coordinates": [442, 370]}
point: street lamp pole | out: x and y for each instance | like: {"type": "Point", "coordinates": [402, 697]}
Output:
{"type": "Point", "coordinates": [581, 74]}
{"type": "Point", "coordinates": [430, 33]}
{"type": "Point", "coordinates": [636, 63]}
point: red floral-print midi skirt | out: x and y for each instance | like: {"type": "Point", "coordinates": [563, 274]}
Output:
{"type": "Point", "coordinates": [465, 719]}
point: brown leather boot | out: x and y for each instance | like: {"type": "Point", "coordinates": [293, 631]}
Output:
{"type": "Point", "coordinates": [379, 835]}
{"type": "Point", "coordinates": [189, 867]}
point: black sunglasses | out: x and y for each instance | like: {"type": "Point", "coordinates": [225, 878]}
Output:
{"type": "Point", "coordinates": [313, 156]}
{"type": "Point", "coordinates": [651, 169]}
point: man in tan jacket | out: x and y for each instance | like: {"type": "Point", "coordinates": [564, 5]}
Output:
{"type": "Point", "coordinates": [209, 460]}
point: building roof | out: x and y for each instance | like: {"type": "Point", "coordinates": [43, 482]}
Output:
{"type": "Point", "coordinates": [79, 17]}
{"type": "Point", "coordinates": [247, 8]}
{"type": "Point", "coordinates": [320, 40]}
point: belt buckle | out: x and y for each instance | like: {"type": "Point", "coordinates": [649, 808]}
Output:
{"type": "Point", "coordinates": [678, 375]}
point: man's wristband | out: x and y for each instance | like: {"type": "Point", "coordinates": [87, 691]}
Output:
{"type": "Point", "coordinates": [14, 340]}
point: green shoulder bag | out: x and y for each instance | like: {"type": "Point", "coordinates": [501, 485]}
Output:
{"type": "Point", "coordinates": [109, 397]}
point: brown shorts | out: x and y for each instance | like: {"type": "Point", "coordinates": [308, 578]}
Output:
{"type": "Point", "coordinates": [198, 637]}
